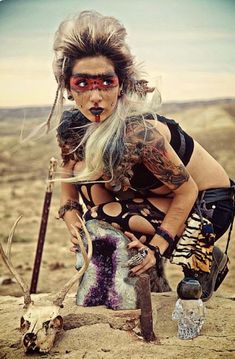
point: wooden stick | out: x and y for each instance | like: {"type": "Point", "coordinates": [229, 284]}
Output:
{"type": "Point", "coordinates": [43, 225]}
{"type": "Point", "coordinates": [145, 304]}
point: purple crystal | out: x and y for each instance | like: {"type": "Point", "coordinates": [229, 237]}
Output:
{"type": "Point", "coordinates": [105, 282]}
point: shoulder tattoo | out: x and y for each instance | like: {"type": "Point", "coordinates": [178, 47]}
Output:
{"type": "Point", "coordinates": [156, 158]}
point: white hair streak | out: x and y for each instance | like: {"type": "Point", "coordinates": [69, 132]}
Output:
{"type": "Point", "coordinates": [99, 136]}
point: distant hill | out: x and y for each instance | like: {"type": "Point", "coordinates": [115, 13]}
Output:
{"type": "Point", "coordinates": [211, 123]}
{"type": "Point", "coordinates": [203, 116]}
{"type": "Point", "coordinates": [179, 106]}
{"type": "Point", "coordinates": [24, 112]}
{"type": "Point", "coordinates": [169, 107]}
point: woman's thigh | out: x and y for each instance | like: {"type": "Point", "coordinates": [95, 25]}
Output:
{"type": "Point", "coordinates": [139, 215]}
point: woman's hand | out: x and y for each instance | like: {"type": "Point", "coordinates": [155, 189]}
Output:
{"type": "Point", "coordinates": [73, 239]}
{"type": "Point", "coordinates": [148, 262]}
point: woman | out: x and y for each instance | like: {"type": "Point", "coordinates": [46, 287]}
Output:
{"type": "Point", "coordinates": [137, 170]}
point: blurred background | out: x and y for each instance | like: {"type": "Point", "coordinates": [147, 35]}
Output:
{"type": "Point", "coordinates": [187, 47]}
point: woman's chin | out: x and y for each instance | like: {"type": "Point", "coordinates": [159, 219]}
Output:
{"type": "Point", "coordinates": [100, 118]}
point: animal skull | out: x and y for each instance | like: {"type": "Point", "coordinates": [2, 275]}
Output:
{"type": "Point", "coordinates": [40, 323]}
{"type": "Point", "coordinates": [39, 326]}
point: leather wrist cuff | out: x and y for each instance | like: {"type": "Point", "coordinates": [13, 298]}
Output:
{"type": "Point", "coordinates": [170, 240]}
{"type": "Point", "coordinates": [165, 234]}
{"type": "Point", "coordinates": [68, 206]}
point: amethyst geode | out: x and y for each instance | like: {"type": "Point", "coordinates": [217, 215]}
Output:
{"type": "Point", "coordinates": [106, 280]}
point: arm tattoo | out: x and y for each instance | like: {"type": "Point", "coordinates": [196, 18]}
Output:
{"type": "Point", "coordinates": [155, 158]}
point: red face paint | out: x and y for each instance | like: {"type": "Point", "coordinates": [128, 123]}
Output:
{"type": "Point", "coordinates": [79, 83]}
{"type": "Point", "coordinates": [97, 118]}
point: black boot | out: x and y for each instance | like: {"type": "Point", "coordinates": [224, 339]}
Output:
{"type": "Point", "coordinates": [189, 287]}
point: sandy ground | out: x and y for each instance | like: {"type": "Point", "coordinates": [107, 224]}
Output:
{"type": "Point", "coordinates": [100, 338]}
{"type": "Point", "coordinates": [22, 190]}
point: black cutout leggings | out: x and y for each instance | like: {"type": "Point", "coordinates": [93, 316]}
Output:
{"type": "Point", "coordinates": [221, 216]}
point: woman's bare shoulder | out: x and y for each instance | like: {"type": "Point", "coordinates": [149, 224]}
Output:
{"type": "Point", "coordinates": [145, 129]}
{"type": "Point", "coordinates": [143, 132]}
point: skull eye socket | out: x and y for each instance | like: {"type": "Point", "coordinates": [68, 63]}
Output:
{"type": "Point", "coordinates": [56, 323]}
{"type": "Point", "coordinates": [46, 324]}
{"type": "Point", "coordinates": [24, 324]}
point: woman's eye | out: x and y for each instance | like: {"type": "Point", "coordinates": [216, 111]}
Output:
{"type": "Point", "coordinates": [107, 82]}
{"type": "Point", "coordinates": [81, 83]}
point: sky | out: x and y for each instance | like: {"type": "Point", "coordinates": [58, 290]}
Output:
{"type": "Point", "coordinates": [186, 46]}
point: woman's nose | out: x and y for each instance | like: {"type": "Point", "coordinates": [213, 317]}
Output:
{"type": "Point", "coordinates": [95, 95]}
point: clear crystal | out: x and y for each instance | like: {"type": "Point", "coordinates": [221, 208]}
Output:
{"type": "Point", "coordinates": [190, 315]}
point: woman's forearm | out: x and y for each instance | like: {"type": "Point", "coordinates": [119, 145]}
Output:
{"type": "Point", "coordinates": [177, 213]}
{"type": "Point", "coordinates": [69, 200]}
{"type": "Point", "coordinates": [71, 219]}
{"type": "Point", "coordinates": [68, 192]}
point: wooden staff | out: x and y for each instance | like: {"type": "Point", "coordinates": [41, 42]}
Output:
{"type": "Point", "coordinates": [43, 225]}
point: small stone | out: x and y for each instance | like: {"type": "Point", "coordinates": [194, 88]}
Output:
{"type": "Point", "coordinates": [7, 280]}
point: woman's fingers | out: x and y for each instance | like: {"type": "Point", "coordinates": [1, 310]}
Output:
{"type": "Point", "coordinates": [131, 236]}
{"type": "Point", "coordinates": [78, 227]}
{"type": "Point", "coordinates": [135, 243]}
{"type": "Point", "coordinates": [142, 239]}
{"type": "Point", "coordinates": [74, 235]}
{"type": "Point", "coordinates": [74, 240]}
{"type": "Point", "coordinates": [73, 249]}
{"type": "Point", "coordinates": [148, 262]}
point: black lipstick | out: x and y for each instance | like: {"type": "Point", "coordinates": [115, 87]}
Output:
{"type": "Point", "coordinates": [96, 110]}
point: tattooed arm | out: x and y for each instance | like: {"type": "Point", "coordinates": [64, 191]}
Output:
{"type": "Point", "coordinates": [160, 158]}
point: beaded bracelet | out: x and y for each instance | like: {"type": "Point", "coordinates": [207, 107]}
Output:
{"type": "Point", "coordinates": [68, 206]}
